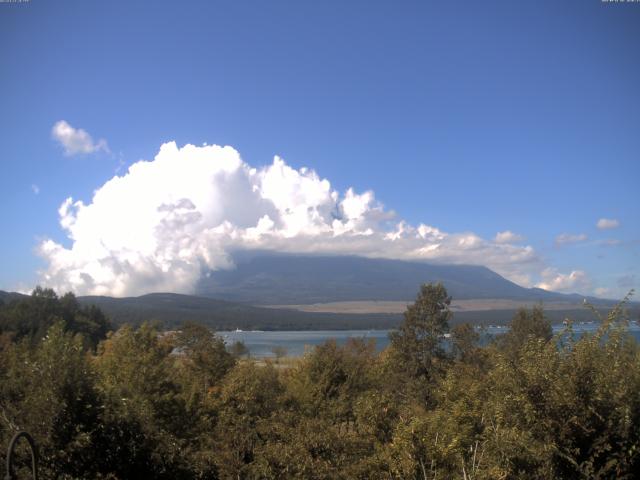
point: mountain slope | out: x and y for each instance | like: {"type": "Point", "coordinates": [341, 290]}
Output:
{"type": "Point", "coordinates": [7, 297]}
{"type": "Point", "coordinates": [277, 279]}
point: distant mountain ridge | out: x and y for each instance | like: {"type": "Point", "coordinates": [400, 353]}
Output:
{"type": "Point", "coordinates": [10, 296]}
{"type": "Point", "coordinates": [262, 278]}
{"type": "Point", "coordinates": [289, 280]}
{"type": "Point", "coordinates": [171, 310]}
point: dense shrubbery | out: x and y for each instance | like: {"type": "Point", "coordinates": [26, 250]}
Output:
{"type": "Point", "coordinates": [145, 405]}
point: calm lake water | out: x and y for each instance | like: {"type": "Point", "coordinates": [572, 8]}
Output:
{"type": "Point", "coordinates": [260, 344]}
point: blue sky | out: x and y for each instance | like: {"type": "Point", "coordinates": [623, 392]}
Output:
{"type": "Point", "coordinates": [470, 117]}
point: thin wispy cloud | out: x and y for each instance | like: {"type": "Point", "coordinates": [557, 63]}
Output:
{"type": "Point", "coordinates": [76, 141]}
{"type": "Point", "coordinates": [627, 281]}
{"type": "Point", "coordinates": [610, 242]}
{"type": "Point", "coordinates": [568, 239]}
{"type": "Point", "coordinates": [164, 222]}
{"type": "Point", "coordinates": [121, 164]}
{"type": "Point", "coordinates": [607, 223]}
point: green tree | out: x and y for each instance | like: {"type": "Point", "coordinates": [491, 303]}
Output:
{"type": "Point", "coordinates": [49, 390]}
{"type": "Point", "coordinates": [145, 412]}
{"type": "Point", "coordinates": [464, 342]}
{"type": "Point", "coordinates": [330, 378]}
{"type": "Point", "coordinates": [566, 411]}
{"type": "Point", "coordinates": [250, 395]}
{"type": "Point", "coordinates": [279, 351]}
{"type": "Point", "coordinates": [31, 317]}
{"type": "Point", "coordinates": [525, 325]}
{"type": "Point", "coordinates": [205, 354]}
{"type": "Point", "coordinates": [88, 320]}
{"type": "Point", "coordinates": [416, 347]}
{"type": "Point", "coordinates": [326, 426]}
{"type": "Point", "coordinates": [238, 349]}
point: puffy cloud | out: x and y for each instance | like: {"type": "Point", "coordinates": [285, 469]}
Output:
{"type": "Point", "coordinates": [164, 222]}
{"type": "Point", "coordinates": [623, 285]}
{"type": "Point", "coordinates": [75, 140]}
{"type": "Point", "coordinates": [568, 238]}
{"type": "Point", "coordinates": [575, 281]}
{"type": "Point", "coordinates": [607, 223]}
{"type": "Point", "coordinates": [603, 292]}
{"type": "Point", "coordinates": [508, 237]}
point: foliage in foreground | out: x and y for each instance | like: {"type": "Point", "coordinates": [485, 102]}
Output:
{"type": "Point", "coordinates": [148, 405]}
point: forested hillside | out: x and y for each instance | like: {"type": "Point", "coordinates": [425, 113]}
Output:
{"type": "Point", "coordinates": [141, 404]}
{"type": "Point", "coordinates": [171, 310]}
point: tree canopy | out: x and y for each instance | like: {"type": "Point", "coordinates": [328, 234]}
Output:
{"type": "Point", "coordinates": [177, 405]}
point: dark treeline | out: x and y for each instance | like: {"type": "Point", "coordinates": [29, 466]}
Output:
{"type": "Point", "coordinates": [139, 403]}
{"type": "Point", "coordinates": [171, 310]}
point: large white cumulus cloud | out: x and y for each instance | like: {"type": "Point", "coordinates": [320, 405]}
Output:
{"type": "Point", "coordinates": [165, 221]}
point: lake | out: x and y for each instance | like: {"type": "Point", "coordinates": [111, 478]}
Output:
{"type": "Point", "coordinates": [260, 344]}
